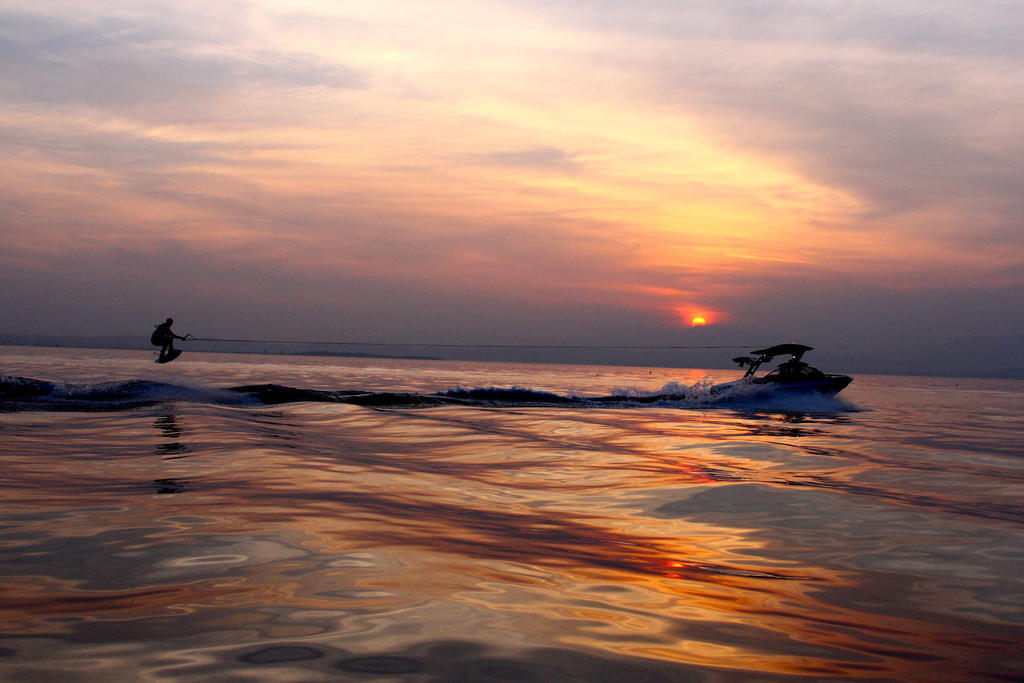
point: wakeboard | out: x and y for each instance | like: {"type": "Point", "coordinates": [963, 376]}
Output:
{"type": "Point", "coordinates": [171, 355]}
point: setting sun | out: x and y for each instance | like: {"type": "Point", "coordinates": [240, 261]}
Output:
{"type": "Point", "coordinates": [694, 315]}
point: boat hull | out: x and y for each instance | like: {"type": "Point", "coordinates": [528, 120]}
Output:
{"type": "Point", "coordinates": [830, 385]}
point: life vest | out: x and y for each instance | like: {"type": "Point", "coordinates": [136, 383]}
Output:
{"type": "Point", "coordinates": [161, 335]}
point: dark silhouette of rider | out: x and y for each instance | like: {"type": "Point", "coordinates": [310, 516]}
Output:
{"type": "Point", "coordinates": [163, 336]}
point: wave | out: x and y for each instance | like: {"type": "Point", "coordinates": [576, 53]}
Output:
{"type": "Point", "coordinates": [26, 393]}
{"type": "Point", "coordinates": [23, 393]}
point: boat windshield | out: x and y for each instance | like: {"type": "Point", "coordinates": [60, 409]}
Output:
{"type": "Point", "coordinates": [796, 370]}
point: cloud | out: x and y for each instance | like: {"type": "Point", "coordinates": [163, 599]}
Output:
{"type": "Point", "coordinates": [551, 158]}
{"type": "Point", "coordinates": [898, 134]}
{"type": "Point", "coordinates": [908, 106]}
{"type": "Point", "coordinates": [147, 66]}
{"type": "Point", "coordinates": [123, 152]}
{"type": "Point", "coordinates": [986, 28]}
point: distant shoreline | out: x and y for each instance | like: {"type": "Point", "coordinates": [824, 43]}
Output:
{"type": "Point", "coordinates": [357, 354]}
{"type": "Point", "coordinates": [144, 345]}
{"type": "Point", "coordinates": [139, 343]}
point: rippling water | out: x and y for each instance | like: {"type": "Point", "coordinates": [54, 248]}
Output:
{"type": "Point", "coordinates": [155, 525]}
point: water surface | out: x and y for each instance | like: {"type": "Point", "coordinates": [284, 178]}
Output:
{"type": "Point", "coordinates": [156, 525]}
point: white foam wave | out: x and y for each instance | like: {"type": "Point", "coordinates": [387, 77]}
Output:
{"type": "Point", "coordinates": [738, 394]}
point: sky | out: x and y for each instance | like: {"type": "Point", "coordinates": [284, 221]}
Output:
{"type": "Point", "coordinates": [848, 175]}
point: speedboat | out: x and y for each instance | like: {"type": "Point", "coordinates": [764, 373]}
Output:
{"type": "Point", "coordinates": [792, 375]}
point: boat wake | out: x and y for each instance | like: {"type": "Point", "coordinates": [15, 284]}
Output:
{"type": "Point", "coordinates": [22, 393]}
